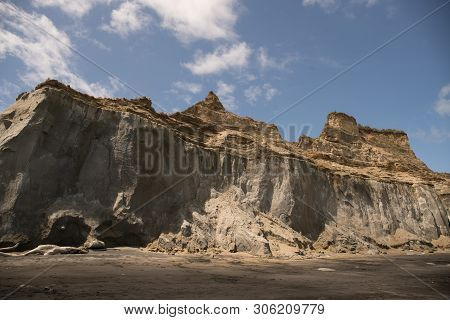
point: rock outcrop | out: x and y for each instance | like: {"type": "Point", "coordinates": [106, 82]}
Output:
{"type": "Point", "coordinates": [75, 169]}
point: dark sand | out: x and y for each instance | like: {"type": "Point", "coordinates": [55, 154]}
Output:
{"type": "Point", "coordinates": [135, 274]}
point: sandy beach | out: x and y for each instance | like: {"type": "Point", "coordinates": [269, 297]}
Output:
{"type": "Point", "coordinates": [128, 273]}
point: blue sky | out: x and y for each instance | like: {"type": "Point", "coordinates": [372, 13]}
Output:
{"type": "Point", "coordinates": [258, 56]}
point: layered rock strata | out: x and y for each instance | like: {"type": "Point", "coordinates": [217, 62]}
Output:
{"type": "Point", "coordinates": [76, 169]}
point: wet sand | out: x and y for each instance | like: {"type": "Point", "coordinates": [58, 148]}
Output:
{"type": "Point", "coordinates": [135, 274]}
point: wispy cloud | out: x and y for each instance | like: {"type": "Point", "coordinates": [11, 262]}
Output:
{"type": "Point", "coordinates": [191, 87]}
{"type": "Point", "coordinates": [223, 58]}
{"type": "Point", "coordinates": [332, 5]}
{"type": "Point", "coordinates": [269, 91]}
{"type": "Point", "coordinates": [434, 135]}
{"type": "Point", "coordinates": [8, 90]}
{"type": "Point", "coordinates": [82, 33]}
{"type": "Point", "coordinates": [128, 18]}
{"type": "Point", "coordinates": [42, 55]}
{"type": "Point", "coordinates": [73, 8]}
{"type": "Point", "coordinates": [328, 62]}
{"type": "Point", "coordinates": [367, 3]}
{"type": "Point", "coordinates": [267, 62]}
{"type": "Point", "coordinates": [253, 93]}
{"type": "Point", "coordinates": [327, 5]}
{"type": "Point", "coordinates": [184, 90]}
{"type": "Point", "coordinates": [442, 105]}
{"type": "Point", "coordinates": [225, 93]}
{"type": "Point", "coordinates": [391, 11]}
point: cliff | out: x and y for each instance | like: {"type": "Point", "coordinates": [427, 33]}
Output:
{"type": "Point", "coordinates": [74, 168]}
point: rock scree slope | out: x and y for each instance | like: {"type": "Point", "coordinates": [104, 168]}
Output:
{"type": "Point", "coordinates": [76, 169]}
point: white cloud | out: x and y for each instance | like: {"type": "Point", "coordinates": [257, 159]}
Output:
{"type": "Point", "coordinates": [442, 105]}
{"type": "Point", "coordinates": [267, 62]}
{"type": "Point", "coordinates": [76, 8]}
{"type": "Point", "coordinates": [253, 93]}
{"type": "Point", "coordinates": [191, 87]}
{"type": "Point", "coordinates": [225, 93]}
{"type": "Point", "coordinates": [43, 56]}
{"type": "Point", "coordinates": [127, 18]}
{"type": "Point", "coordinates": [223, 58]}
{"type": "Point", "coordinates": [196, 19]}
{"type": "Point", "coordinates": [188, 19]}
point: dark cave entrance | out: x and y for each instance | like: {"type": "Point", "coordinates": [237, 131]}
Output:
{"type": "Point", "coordinates": [68, 231]}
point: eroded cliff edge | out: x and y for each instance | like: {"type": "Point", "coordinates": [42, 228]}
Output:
{"type": "Point", "coordinates": [74, 168]}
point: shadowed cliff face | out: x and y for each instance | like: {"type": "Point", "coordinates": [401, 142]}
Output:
{"type": "Point", "coordinates": [74, 168]}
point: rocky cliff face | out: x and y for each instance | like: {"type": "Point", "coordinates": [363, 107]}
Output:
{"type": "Point", "coordinates": [74, 168]}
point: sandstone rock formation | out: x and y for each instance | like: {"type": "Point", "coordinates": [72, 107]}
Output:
{"type": "Point", "coordinates": [75, 169]}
